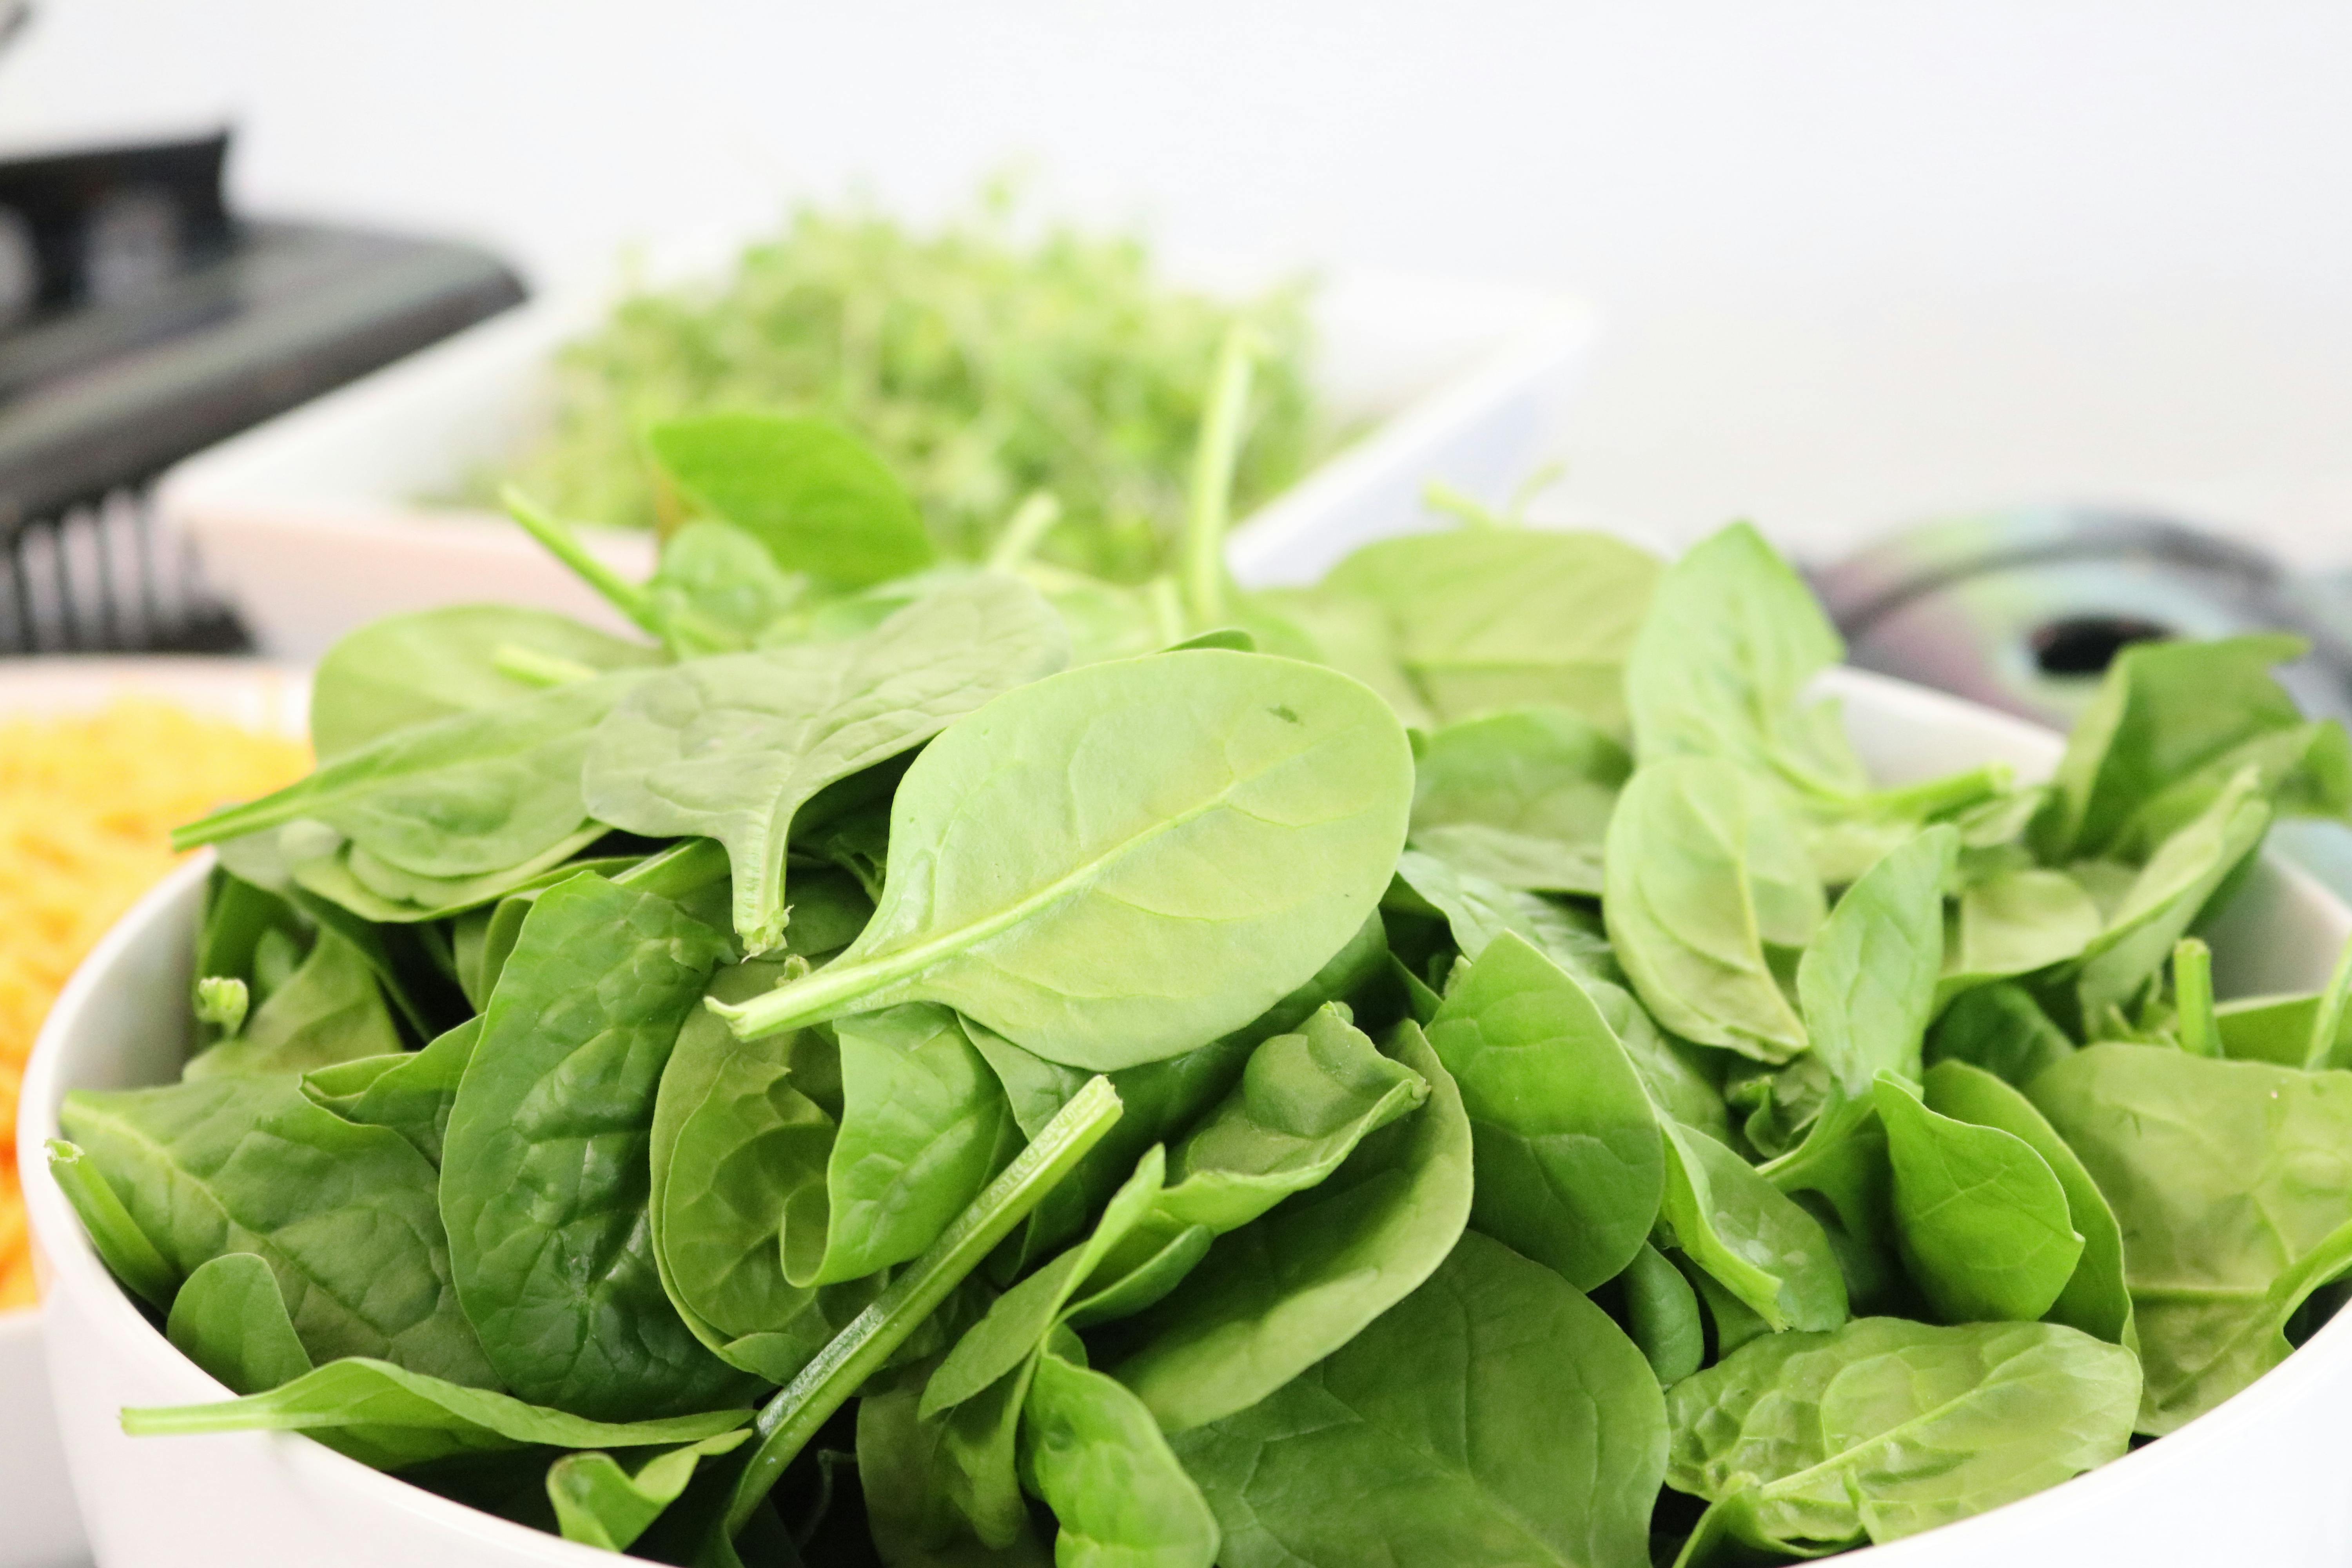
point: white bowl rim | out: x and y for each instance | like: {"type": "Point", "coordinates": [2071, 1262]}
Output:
{"type": "Point", "coordinates": [51, 1217]}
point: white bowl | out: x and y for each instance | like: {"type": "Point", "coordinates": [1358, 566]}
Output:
{"type": "Point", "coordinates": [311, 522]}
{"type": "Point", "coordinates": [39, 1526]}
{"type": "Point", "coordinates": [2258, 1481]}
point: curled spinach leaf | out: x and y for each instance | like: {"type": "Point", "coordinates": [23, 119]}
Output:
{"type": "Point", "coordinates": [229, 1318]}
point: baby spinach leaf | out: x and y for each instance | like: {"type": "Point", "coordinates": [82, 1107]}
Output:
{"type": "Point", "coordinates": [1981, 1218]}
{"type": "Point", "coordinates": [924, 1126]}
{"type": "Point", "coordinates": [1476, 909]}
{"type": "Point", "coordinates": [544, 1166]}
{"type": "Point", "coordinates": [415, 668]}
{"type": "Point", "coordinates": [789, 1420]}
{"type": "Point", "coordinates": [716, 589]}
{"type": "Point", "coordinates": [731, 747]}
{"type": "Point", "coordinates": [330, 1011]}
{"type": "Point", "coordinates": [2096, 1300]}
{"type": "Point", "coordinates": [1276, 1296]}
{"type": "Point", "coordinates": [1705, 872]}
{"type": "Point", "coordinates": [1662, 1316]}
{"type": "Point", "coordinates": [1569, 1163]}
{"type": "Point", "coordinates": [902, 1473]}
{"type": "Point", "coordinates": [2001, 1029]}
{"type": "Point", "coordinates": [2169, 714]}
{"type": "Point", "coordinates": [1755, 1242]}
{"type": "Point", "coordinates": [343, 1214]}
{"type": "Point", "coordinates": [819, 501]}
{"type": "Point", "coordinates": [1092, 1452]}
{"type": "Point", "coordinates": [317, 860]}
{"type": "Point", "coordinates": [1354, 637]}
{"type": "Point", "coordinates": [1491, 618]}
{"type": "Point", "coordinates": [1118, 863]}
{"type": "Point", "coordinates": [1867, 979]}
{"type": "Point", "coordinates": [1493, 1417]}
{"type": "Point", "coordinates": [598, 1502]}
{"type": "Point", "coordinates": [1811, 1442]}
{"type": "Point", "coordinates": [229, 1318]}
{"type": "Point", "coordinates": [678, 872]}
{"type": "Point", "coordinates": [1521, 797]}
{"type": "Point", "coordinates": [120, 1245]}
{"type": "Point", "coordinates": [1305, 1102]}
{"type": "Point", "coordinates": [411, 1093]}
{"type": "Point", "coordinates": [2227, 1178]}
{"type": "Point", "coordinates": [1721, 665]}
{"type": "Point", "coordinates": [475, 793]}
{"type": "Point", "coordinates": [390, 1417]}
{"type": "Point", "coordinates": [2015, 922]}
{"type": "Point", "coordinates": [2169, 894]}
{"type": "Point", "coordinates": [2274, 1030]}
{"type": "Point", "coordinates": [737, 1159]}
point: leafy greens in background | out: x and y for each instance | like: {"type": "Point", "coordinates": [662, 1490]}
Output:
{"type": "Point", "coordinates": [1414, 1068]}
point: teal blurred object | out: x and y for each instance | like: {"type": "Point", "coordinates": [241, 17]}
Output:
{"type": "Point", "coordinates": [2021, 609]}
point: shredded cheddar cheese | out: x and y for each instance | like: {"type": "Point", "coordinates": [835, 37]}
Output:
{"type": "Point", "coordinates": [87, 807]}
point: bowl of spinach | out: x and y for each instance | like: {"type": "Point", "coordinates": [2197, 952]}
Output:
{"type": "Point", "coordinates": [1505, 1055]}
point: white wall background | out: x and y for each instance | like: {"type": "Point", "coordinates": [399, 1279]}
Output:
{"type": "Point", "coordinates": [1860, 260]}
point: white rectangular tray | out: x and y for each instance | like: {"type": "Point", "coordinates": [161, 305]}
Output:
{"type": "Point", "coordinates": [312, 523]}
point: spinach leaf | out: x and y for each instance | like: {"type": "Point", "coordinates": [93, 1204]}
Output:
{"type": "Point", "coordinates": [2015, 922]}
{"type": "Point", "coordinates": [1981, 1218]}
{"type": "Point", "coordinates": [544, 1165]}
{"type": "Point", "coordinates": [2172, 725]}
{"type": "Point", "coordinates": [1867, 979]}
{"type": "Point", "coordinates": [2274, 1030]}
{"type": "Point", "coordinates": [2097, 1298]}
{"type": "Point", "coordinates": [789, 1420]}
{"type": "Point", "coordinates": [390, 1417]}
{"type": "Point", "coordinates": [317, 860]}
{"type": "Point", "coordinates": [1568, 1156]}
{"type": "Point", "coordinates": [2001, 1029]}
{"type": "Point", "coordinates": [120, 1245]}
{"type": "Point", "coordinates": [1662, 1316]}
{"type": "Point", "coordinates": [1707, 873]}
{"type": "Point", "coordinates": [2230, 1187]}
{"type": "Point", "coordinates": [737, 1159]}
{"type": "Point", "coordinates": [345, 1216]}
{"type": "Point", "coordinates": [819, 501]}
{"type": "Point", "coordinates": [716, 589]}
{"type": "Point", "coordinates": [1476, 909]}
{"type": "Point", "coordinates": [1721, 664]}
{"type": "Point", "coordinates": [229, 1318]}
{"type": "Point", "coordinates": [2169, 893]}
{"type": "Point", "coordinates": [1277, 1295]}
{"type": "Point", "coordinates": [475, 793]}
{"type": "Point", "coordinates": [599, 1502]}
{"type": "Point", "coordinates": [1354, 637]}
{"type": "Point", "coordinates": [415, 669]}
{"type": "Point", "coordinates": [411, 1093]}
{"type": "Point", "coordinates": [1092, 1452]}
{"type": "Point", "coordinates": [1491, 618]}
{"type": "Point", "coordinates": [731, 747]}
{"type": "Point", "coordinates": [924, 1126]}
{"type": "Point", "coordinates": [1120, 862]}
{"type": "Point", "coordinates": [1521, 797]}
{"type": "Point", "coordinates": [1811, 1442]}
{"type": "Point", "coordinates": [330, 1011]}
{"type": "Point", "coordinates": [1753, 1241]}
{"type": "Point", "coordinates": [902, 1474]}
{"type": "Point", "coordinates": [1493, 1417]}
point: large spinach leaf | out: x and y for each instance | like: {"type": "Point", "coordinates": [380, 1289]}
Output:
{"type": "Point", "coordinates": [1867, 979]}
{"type": "Point", "coordinates": [1569, 1165]}
{"type": "Point", "coordinates": [544, 1174]}
{"type": "Point", "coordinates": [1494, 1418]}
{"type": "Point", "coordinates": [1118, 863]}
{"type": "Point", "coordinates": [731, 747]}
{"type": "Point", "coordinates": [1810, 1442]}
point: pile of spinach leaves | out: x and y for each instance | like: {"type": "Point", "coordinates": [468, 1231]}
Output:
{"type": "Point", "coordinates": [958, 1064]}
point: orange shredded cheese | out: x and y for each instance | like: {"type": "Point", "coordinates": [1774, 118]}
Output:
{"type": "Point", "coordinates": [87, 807]}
